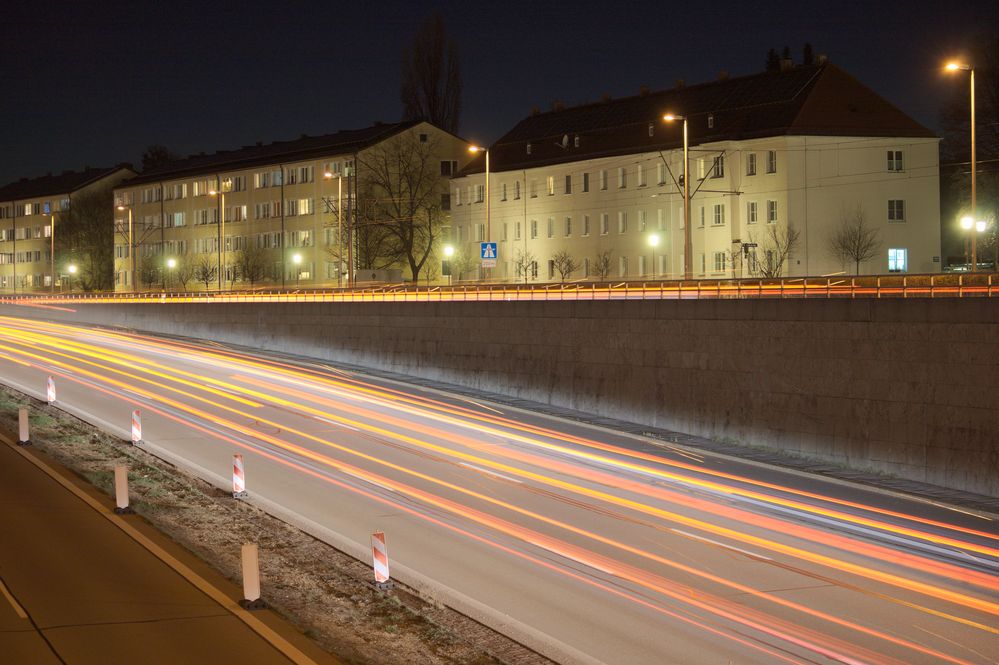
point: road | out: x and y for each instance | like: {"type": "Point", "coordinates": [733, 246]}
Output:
{"type": "Point", "coordinates": [589, 545]}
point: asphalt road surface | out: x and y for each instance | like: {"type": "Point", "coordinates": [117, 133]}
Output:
{"type": "Point", "coordinates": [589, 545]}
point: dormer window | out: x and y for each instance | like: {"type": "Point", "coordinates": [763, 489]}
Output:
{"type": "Point", "coordinates": [528, 148]}
{"type": "Point", "coordinates": [711, 121]}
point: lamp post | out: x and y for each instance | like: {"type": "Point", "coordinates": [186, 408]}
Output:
{"type": "Point", "coordinates": [477, 148]}
{"type": "Point", "coordinates": [448, 253]}
{"type": "Point", "coordinates": [52, 252]}
{"type": "Point", "coordinates": [72, 271]}
{"type": "Point", "coordinates": [220, 192]}
{"type": "Point", "coordinates": [953, 67]}
{"type": "Point", "coordinates": [131, 247]}
{"type": "Point", "coordinates": [969, 223]}
{"type": "Point", "coordinates": [339, 226]}
{"type": "Point", "coordinates": [653, 243]}
{"type": "Point", "coordinates": [296, 259]}
{"type": "Point", "coordinates": [687, 245]}
{"type": "Point", "coordinates": [171, 264]}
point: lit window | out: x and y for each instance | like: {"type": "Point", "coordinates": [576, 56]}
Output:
{"type": "Point", "coordinates": [898, 260]}
{"type": "Point", "coordinates": [550, 185]}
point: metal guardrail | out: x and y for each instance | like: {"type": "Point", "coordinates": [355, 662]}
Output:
{"type": "Point", "coordinates": [977, 285]}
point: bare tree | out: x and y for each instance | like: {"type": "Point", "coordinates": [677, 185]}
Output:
{"type": "Point", "coordinates": [251, 263]}
{"type": "Point", "coordinates": [564, 263]}
{"type": "Point", "coordinates": [776, 246]}
{"type": "Point", "coordinates": [602, 264]}
{"type": "Point", "coordinates": [206, 270]}
{"type": "Point", "coordinates": [854, 240]}
{"type": "Point", "coordinates": [149, 271]}
{"type": "Point", "coordinates": [184, 271]}
{"type": "Point", "coordinates": [524, 263]}
{"type": "Point", "coordinates": [400, 182]}
{"type": "Point", "coordinates": [431, 77]}
{"type": "Point", "coordinates": [86, 238]}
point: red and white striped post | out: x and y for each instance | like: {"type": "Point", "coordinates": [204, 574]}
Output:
{"type": "Point", "coordinates": [22, 427]}
{"type": "Point", "coordinates": [238, 477]}
{"type": "Point", "coordinates": [136, 427]}
{"type": "Point", "coordinates": [50, 391]}
{"type": "Point", "coordinates": [381, 565]}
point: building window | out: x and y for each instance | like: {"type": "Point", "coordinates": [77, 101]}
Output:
{"type": "Point", "coordinates": [771, 212]}
{"type": "Point", "coordinates": [622, 177]}
{"type": "Point", "coordinates": [604, 224]}
{"type": "Point", "coordinates": [568, 184]}
{"type": "Point", "coordinates": [586, 182]}
{"type": "Point", "coordinates": [622, 222]}
{"type": "Point", "coordinates": [640, 173]}
{"type": "Point", "coordinates": [480, 193]}
{"type": "Point", "coordinates": [718, 168]}
{"type": "Point", "coordinates": [480, 232]}
{"type": "Point", "coordinates": [449, 167]}
{"type": "Point", "coordinates": [751, 163]}
{"type": "Point", "coordinates": [551, 227]}
{"type": "Point", "coordinates": [711, 121]}
{"type": "Point", "coordinates": [516, 231]}
{"type": "Point", "coordinates": [661, 219]}
{"type": "Point", "coordinates": [719, 261]}
{"type": "Point", "coordinates": [622, 266]}
{"type": "Point", "coordinates": [661, 173]}
{"type": "Point", "coordinates": [751, 212]}
{"type": "Point", "coordinates": [895, 160]}
{"type": "Point", "coordinates": [534, 228]}
{"type": "Point", "coordinates": [896, 211]}
{"type": "Point", "coordinates": [550, 185]}
{"type": "Point", "coordinates": [457, 196]}
{"type": "Point", "coordinates": [719, 215]}
{"type": "Point", "coordinates": [568, 226]}
{"type": "Point", "coordinates": [603, 178]}
{"type": "Point", "coordinates": [701, 224]}
{"type": "Point", "coordinates": [771, 161]}
{"type": "Point", "coordinates": [534, 189]}
{"type": "Point", "coordinates": [503, 192]}
{"type": "Point", "coordinates": [898, 260]}
{"type": "Point", "coordinates": [586, 225]}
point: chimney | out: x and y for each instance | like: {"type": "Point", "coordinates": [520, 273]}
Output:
{"type": "Point", "coordinates": [821, 59]}
{"type": "Point", "coordinates": [786, 64]}
{"type": "Point", "coordinates": [679, 83]}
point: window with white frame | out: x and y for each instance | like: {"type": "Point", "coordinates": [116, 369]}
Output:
{"type": "Point", "coordinates": [640, 175]}
{"type": "Point", "coordinates": [480, 232]}
{"type": "Point", "coordinates": [895, 160]}
{"type": "Point", "coordinates": [622, 177]}
{"type": "Point", "coordinates": [896, 211]}
{"type": "Point", "coordinates": [568, 184]}
{"type": "Point", "coordinates": [622, 266]}
{"type": "Point", "coordinates": [457, 196]}
{"type": "Point", "coordinates": [603, 178]}
{"type": "Point", "coordinates": [641, 264]}
{"type": "Point", "coordinates": [604, 224]}
{"type": "Point", "coordinates": [719, 261]}
{"type": "Point", "coordinates": [516, 190]}
{"type": "Point", "coordinates": [534, 189]}
{"type": "Point", "coordinates": [480, 193]}
{"type": "Point", "coordinates": [661, 173]}
{"type": "Point", "coordinates": [586, 182]}
{"type": "Point", "coordinates": [550, 185]}
{"type": "Point", "coordinates": [751, 212]}
{"type": "Point", "coordinates": [534, 228]}
{"type": "Point", "coordinates": [771, 212]}
{"type": "Point", "coordinates": [771, 161]}
{"type": "Point", "coordinates": [586, 225]}
{"type": "Point", "coordinates": [701, 219]}
{"type": "Point", "coordinates": [551, 227]}
{"type": "Point", "coordinates": [262, 180]}
{"type": "Point", "coordinates": [622, 222]}
{"type": "Point", "coordinates": [751, 163]}
{"type": "Point", "coordinates": [516, 231]}
{"type": "Point", "coordinates": [568, 226]}
{"type": "Point", "coordinates": [503, 192]}
{"type": "Point", "coordinates": [661, 219]}
{"type": "Point", "coordinates": [642, 221]}
{"type": "Point", "coordinates": [719, 215]}
{"type": "Point", "coordinates": [898, 260]}
{"type": "Point", "coordinates": [718, 167]}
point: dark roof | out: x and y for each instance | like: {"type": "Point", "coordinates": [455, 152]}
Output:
{"type": "Point", "coordinates": [52, 185]}
{"type": "Point", "coordinates": [806, 100]}
{"type": "Point", "coordinates": [306, 147]}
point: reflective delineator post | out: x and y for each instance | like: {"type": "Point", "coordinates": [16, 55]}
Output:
{"type": "Point", "coordinates": [121, 490]}
{"type": "Point", "coordinates": [238, 477]}
{"type": "Point", "coordinates": [50, 392]}
{"type": "Point", "coordinates": [251, 578]}
{"type": "Point", "coordinates": [22, 427]}
{"type": "Point", "coordinates": [381, 565]}
{"type": "Point", "coordinates": [136, 428]}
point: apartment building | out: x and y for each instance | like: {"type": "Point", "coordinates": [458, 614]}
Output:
{"type": "Point", "coordinates": [30, 210]}
{"type": "Point", "coordinates": [790, 154]}
{"type": "Point", "coordinates": [276, 214]}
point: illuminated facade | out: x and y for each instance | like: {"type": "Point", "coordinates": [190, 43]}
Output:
{"type": "Point", "coordinates": [285, 205]}
{"type": "Point", "coordinates": [806, 149]}
{"type": "Point", "coordinates": [29, 211]}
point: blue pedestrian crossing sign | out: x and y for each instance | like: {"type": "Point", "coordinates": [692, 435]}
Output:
{"type": "Point", "coordinates": [487, 252]}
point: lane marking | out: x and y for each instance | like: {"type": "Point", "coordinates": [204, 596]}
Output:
{"type": "Point", "coordinates": [13, 603]}
{"type": "Point", "coordinates": [720, 544]}
{"type": "Point", "coordinates": [268, 634]}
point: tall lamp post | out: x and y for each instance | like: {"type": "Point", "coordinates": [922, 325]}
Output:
{"type": "Point", "coordinates": [131, 247]}
{"type": "Point", "coordinates": [52, 252]}
{"type": "Point", "coordinates": [687, 244]}
{"type": "Point", "coordinates": [296, 260]}
{"type": "Point", "coordinates": [72, 271]}
{"type": "Point", "coordinates": [328, 175]}
{"type": "Point", "coordinates": [170, 264]}
{"type": "Point", "coordinates": [448, 253]}
{"type": "Point", "coordinates": [975, 227]}
{"type": "Point", "coordinates": [220, 192]}
{"type": "Point", "coordinates": [477, 148]}
{"type": "Point", "coordinates": [953, 67]}
{"type": "Point", "coordinates": [653, 243]}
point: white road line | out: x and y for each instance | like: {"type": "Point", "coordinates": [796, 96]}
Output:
{"type": "Point", "coordinates": [719, 544]}
{"type": "Point", "coordinates": [491, 473]}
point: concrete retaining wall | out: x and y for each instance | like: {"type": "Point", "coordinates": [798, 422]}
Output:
{"type": "Point", "coordinates": [906, 387]}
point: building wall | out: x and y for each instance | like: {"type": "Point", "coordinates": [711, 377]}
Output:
{"type": "Point", "coordinates": [815, 180]}
{"type": "Point", "coordinates": [263, 207]}
{"type": "Point", "coordinates": [26, 239]}
{"type": "Point", "coordinates": [905, 387]}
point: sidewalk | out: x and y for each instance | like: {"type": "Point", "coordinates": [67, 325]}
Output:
{"type": "Point", "coordinates": [81, 585]}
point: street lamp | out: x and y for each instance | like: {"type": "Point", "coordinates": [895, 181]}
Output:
{"type": "Point", "coordinates": [477, 148]}
{"type": "Point", "coordinates": [72, 271]}
{"type": "Point", "coordinates": [131, 246]}
{"type": "Point", "coordinates": [653, 243]}
{"type": "Point", "coordinates": [953, 67]}
{"type": "Point", "coordinates": [328, 175]}
{"type": "Point", "coordinates": [221, 195]}
{"type": "Point", "coordinates": [448, 253]}
{"type": "Point", "coordinates": [297, 260]}
{"type": "Point", "coordinates": [687, 246]}
{"type": "Point", "coordinates": [968, 223]}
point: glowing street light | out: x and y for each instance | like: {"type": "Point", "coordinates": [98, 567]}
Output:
{"type": "Point", "coordinates": [296, 259]}
{"type": "Point", "coordinates": [448, 253]}
{"type": "Point", "coordinates": [687, 245]}
{"type": "Point", "coordinates": [72, 271]}
{"type": "Point", "coordinates": [653, 243]}
{"type": "Point", "coordinates": [954, 67]}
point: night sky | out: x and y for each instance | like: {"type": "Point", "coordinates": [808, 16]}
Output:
{"type": "Point", "coordinates": [94, 83]}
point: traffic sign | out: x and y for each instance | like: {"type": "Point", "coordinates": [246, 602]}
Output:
{"type": "Point", "coordinates": [488, 253]}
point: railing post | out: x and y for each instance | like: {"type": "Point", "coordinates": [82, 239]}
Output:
{"type": "Point", "coordinates": [905, 287]}
{"type": "Point", "coordinates": [879, 286]}
{"type": "Point", "coordinates": [932, 287]}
